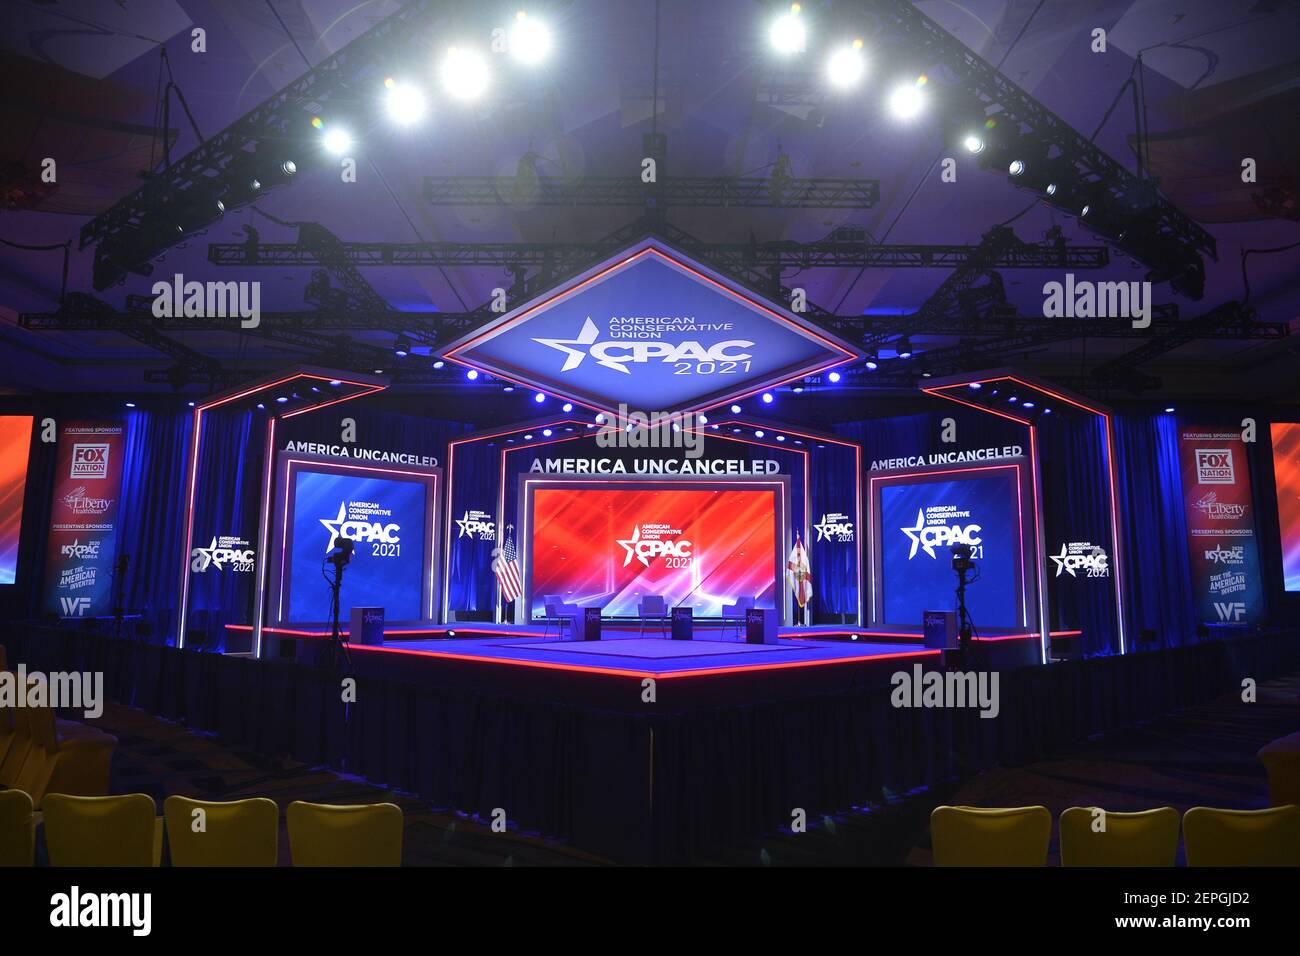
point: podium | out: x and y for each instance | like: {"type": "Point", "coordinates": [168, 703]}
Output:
{"type": "Point", "coordinates": [760, 625]}
{"type": "Point", "coordinates": [591, 623]}
{"type": "Point", "coordinates": [367, 626]}
{"type": "Point", "coordinates": [940, 629]}
{"type": "Point", "coordinates": [683, 623]}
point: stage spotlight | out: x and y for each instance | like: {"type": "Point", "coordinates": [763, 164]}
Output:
{"type": "Point", "coordinates": [262, 406]}
{"type": "Point", "coordinates": [976, 386]}
{"type": "Point", "coordinates": [190, 404]}
{"type": "Point", "coordinates": [567, 407]}
{"type": "Point", "coordinates": [787, 34]}
{"type": "Point", "coordinates": [464, 74]}
{"type": "Point", "coordinates": [379, 371]}
{"type": "Point", "coordinates": [530, 40]}
{"type": "Point", "coordinates": [337, 141]}
{"type": "Point", "coordinates": [404, 102]}
{"type": "Point", "coordinates": [439, 364]}
{"type": "Point", "coordinates": [402, 346]}
{"type": "Point", "coordinates": [600, 418]}
{"type": "Point", "coordinates": [539, 397]}
{"type": "Point", "coordinates": [872, 365]}
{"type": "Point", "coordinates": [798, 389]}
{"type": "Point", "coordinates": [704, 419]}
{"type": "Point", "coordinates": [1016, 167]}
{"type": "Point", "coordinates": [759, 433]}
{"type": "Point", "coordinates": [130, 404]}
{"type": "Point", "coordinates": [846, 66]}
{"type": "Point", "coordinates": [471, 374]}
{"type": "Point", "coordinates": [1026, 404]}
{"type": "Point", "coordinates": [833, 377]}
{"type": "Point", "coordinates": [282, 399]}
{"type": "Point", "coordinates": [768, 399]}
{"type": "Point", "coordinates": [335, 382]}
{"type": "Point", "coordinates": [904, 348]}
{"type": "Point", "coordinates": [907, 101]}
{"type": "Point", "coordinates": [546, 433]}
{"type": "Point", "coordinates": [973, 143]}
{"type": "Point", "coordinates": [735, 409]}
{"type": "Point", "coordinates": [780, 438]}
{"type": "Point", "coordinates": [508, 388]}
{"type": "Point", "coordinates": [1169, 409]}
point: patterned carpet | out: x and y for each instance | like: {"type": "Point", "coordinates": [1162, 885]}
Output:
{"type": "Point", "coordinates": [1204, 755]}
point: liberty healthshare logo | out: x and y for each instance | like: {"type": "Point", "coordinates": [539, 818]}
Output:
{"type": "Point", "coordinates": [79, 503]}
{"type": "Point", "coordinates": [1214, 467]}
{"type": "Point", "coordinates": [728, 356]}
{"type": "Point", "coordinates": [650, 541]}
{"type": "Point", "coordinates": [932, 530]}
{"type": "Point", "coordinates": [1216, 510]}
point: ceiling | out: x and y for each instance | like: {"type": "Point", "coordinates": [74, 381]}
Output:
{"type": "Point", "coordinates": [1220, 83]}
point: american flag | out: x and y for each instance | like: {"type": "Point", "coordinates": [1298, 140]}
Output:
{"type": "Point", "coordinates": [505, 565]}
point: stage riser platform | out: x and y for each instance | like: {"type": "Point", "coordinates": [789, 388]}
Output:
{"type": "Point", "coordinates": [663, 785]}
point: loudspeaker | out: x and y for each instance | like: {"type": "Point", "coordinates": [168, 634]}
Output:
{"type": "Point", "coordinates": [683, 623]}
{"type": "Point", "coordinates": [367, 626]}
{"type": "Point", "coordinates": [760, 625]}
{"type": "Point", "coordinates": [591, 623]}
{"type": "Point", "coordinates": [940, 628]}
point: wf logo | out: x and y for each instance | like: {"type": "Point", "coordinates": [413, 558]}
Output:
{"type": "Point", "coordinates": [75, 606]}
{"type": "Point", "coordinates": [1230, 611]}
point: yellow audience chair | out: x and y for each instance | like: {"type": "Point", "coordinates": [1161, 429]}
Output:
{"type": "Point", "coordinates": [230, 833]}
{"type": "Point", "coordinates": [1242, 837]}
{"type": "Point", "coordinates": [1145, 838]}
{"type": "Point", "coordinates": [345, 835]}
{"type": "Point", "coordinates": [975, 836]}
{"type": "Point", "coordinates": [102, 831]}
{"type": "Point", "coordinates": [17, 829]}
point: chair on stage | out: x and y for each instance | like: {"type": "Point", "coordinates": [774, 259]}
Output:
{"type": "Point", "coordinates": [734, 614]}
{"type": "Point", "coordinates": [564, 615]}
{"type": "Point", "coordinates": [653, 607]}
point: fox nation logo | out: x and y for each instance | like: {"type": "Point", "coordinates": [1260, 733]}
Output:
{"type": "Point", "coordinates": [939, 536]}
{"type": "Point", "coordinates": [616, 355]}
{"type": "Point", "coordinates": [654, 545]}
{"type": "Point", "coordinates": [1214, 467]}
{"type": "Point", "coordinates": [358, 529]}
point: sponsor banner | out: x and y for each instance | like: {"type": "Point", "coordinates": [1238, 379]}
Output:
{"type": "Point", "coordinates": [1221, 527]}
{"type": "Point", "coordinates": [84, 519]}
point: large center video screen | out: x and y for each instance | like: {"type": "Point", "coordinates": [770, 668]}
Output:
{"type": "Point", "coordinates": [697, 546]}
{"type": "Point", "coordinates": [386, 516]}
{"type": "Point", "coordinates": [923, 517]}
{"type": "Point", "coordinates": [15, 441]}
{"type": "Point", "coordinates": [1286, 473]}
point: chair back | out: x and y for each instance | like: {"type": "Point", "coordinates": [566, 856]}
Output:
{"type": "Point", "coordinates": [653, 605]}
{"type": "Point", "coordinates": [1242, 837]}
{"type": "Point", "coordinates": [345, 835]}
{"type": "Point", "coordinates": [976, 836]}
{"type": "Point", "coordinates": [17, 829]}
{"type": "Point", "coordinates": [222, 833]}
{"type": "Point", "coordinates": [102, 831]}
{"type": "Point", "coordinates": [1145, 838]}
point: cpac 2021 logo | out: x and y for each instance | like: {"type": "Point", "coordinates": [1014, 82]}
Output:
{"type": "Point", "coordinates": [358, 528]}
{"type": "Point", "coordinates": [928, 537]}
{"type": "Point", "coordinates": [1083, 556]}
{"type": "Point", "coordinates": [616, 355]}
{"type": "Point", "coordinates": [650, 541]}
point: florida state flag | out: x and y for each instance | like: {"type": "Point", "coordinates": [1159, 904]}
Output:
{"type": "Point", "coordinates": [799, 573]}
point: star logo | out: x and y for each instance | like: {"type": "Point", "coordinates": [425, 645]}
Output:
{"type": "Point", "coordinates": [332, 526]}
{"type": "Point", "coordinates": [1060, 562]}
{"type": "Point", "coordinates": [573, 357]}
{"type": "Point", "coordinates": [203, 556]}
{"type": "Point", "coordinates": [463, 524]}
{"type": "Point", "coordinates": [914, 533]}
{"type": "Point", "coordinates": [629, 545]}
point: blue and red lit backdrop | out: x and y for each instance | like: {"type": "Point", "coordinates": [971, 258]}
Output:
{"type": "Point", "coordinates": [921, 516]}
{"type": "Point", "coordinates": [699, 547]}
{"type": "Point", "coordinates": [387, 513]}
{"type": "Point", "coordinates": [1286, 475]}
{"type": "Point", "coordinates": [15, 443]}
